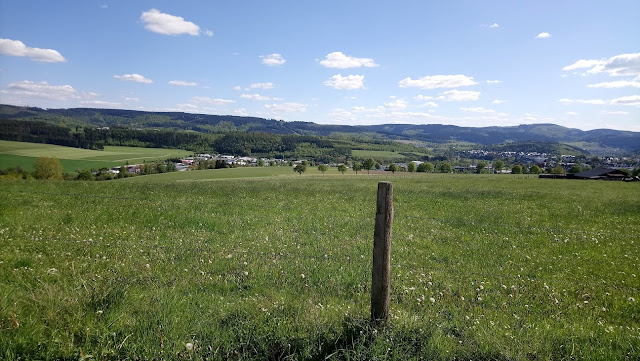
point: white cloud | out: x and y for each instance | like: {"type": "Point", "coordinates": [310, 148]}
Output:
{"type": "Point", "coordinates": [261, 86]}
{"type": "Point", "coordinates": [182, 83]}
{"type": "Point", "coordinates": [17, 48]}
{"type": "Point", "coordinates": [212, 101]}
{"type": "Point", "coordinates": [100, 103]}
{"type": "Point", "coordinates": [543, 36]}
{"type": "Point", "coordinates": [241, 112]}
{"type": "Point", "coordinates": [494, 81]}
{"type": "Point", "coordinates": [583, 101]}
{"type": "Point", "coordinates": [619, 65]}
{"type": "Point", "coordinates": [430, 104]}
{"type": "Point", "coordinates": [422, 97]}
{"type": "Point", "coordinates": [286, 107]}
{"type": "Point", "coordinates": [498, 101]}
{"type": "Point", "coordinates": [237, 87]}
{"type": "Point", "coordinates": [396, 104]}
{"type": "Point", "coordinates": [168, 24]}
{"type": "Point", "coordinates": [130, 99]}
{"type": "Point", "coordinates": [477, 110]}
{"type": "Point", "coordinates": [272, 59]}
{"type": "Point", "coordinates": [29, 89]}
{"type": "Point", "coordinates": [136, 78]}
{"type": "Point", "coordinates": [340, 61]}
{"type": "Point", "coordinates": [614, 113]}
{"type": "Point", "coordinates": [628, 100]}
{"type": "Point", "coordinates": [571, 113]}
{"type": "Point", "coordinates": [616, 84]}
{"type": "Point", "coordinates": [438, 81]}
{"type": "Point", "coordinates": [582, 64]}
{"type": "Point", "coordinates": [349, 82]}
{"type": "Point", "coordinates": [459, 95]}
{"type": "Point", "coordinates": [208, 33]}
{"type": "Point", "coordinates": [254, 97]}
{"type": "Point", "coordinates": [494, 26]}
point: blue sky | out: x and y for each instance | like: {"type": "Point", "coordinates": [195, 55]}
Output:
{"type": "Point", "coordinates": [468, 63]}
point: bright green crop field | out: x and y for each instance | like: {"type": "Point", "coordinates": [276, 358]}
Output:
{"type": "Point", "coordinates": [279, 267]}
{"type": "Point", "coordinates": [13, 154]}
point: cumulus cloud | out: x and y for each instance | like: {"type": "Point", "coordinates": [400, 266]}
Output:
{"type": "Point", "coordinates": [340, 61]}
{"type": "Point", "coordinates": [494, 81]}
{"type": "Point", "coordinates": [136, 78]}
{"type": "Point", "coordinates": [261, 86]}
{"type": "Point", "coordinates": [616, 84]}
{"type": "Point", "coordinates": [100, 103]}
{"type": "Point", "coordinates": [18, 48]}
{"type": "Point", "coordinates": [543, 36]}
{"type": "Point", "coordinates": [286, 107]}
{"type": "Point", "coordinates": [212, 101]}
{"type": "Point", "coordinates": [272, 59]}
{"type": "Point", "coordinates": [168, 24]}
{"type": "Point", "coordinates": [619, 65]}
{"type": "Point", "coordinates": [29, 89]}
{"type": "Point", "coordinates": [477, 110]}
{"type": "Point", "coordinates": [396, 104]}
{"type": "Point", "coordinates": [438, 81]}
{"type": "Point", "coordinates": [182, 83]}
{"type": "Point", "coordinates": [349, 82]}
{"type": "Point", "coordinates": [208, 33]}
{"type": "Point", "coordinates": [583, 101]}
{"type": "Point", "coordinates": [628, 100]}
{"type": "Point", "coordinates": [254, 97]}
{"type": "Point", "coordinates": [459, 95]}
{"type": "Point", "coordinates": [498, 101]}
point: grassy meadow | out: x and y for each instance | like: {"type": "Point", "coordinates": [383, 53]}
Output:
{"type": "Point", "coordinates": [13, 154]}
{"type": "Point", "coordinates": [230, 264]}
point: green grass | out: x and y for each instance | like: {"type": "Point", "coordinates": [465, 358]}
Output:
{"type": "Point", "coordinates": [23, 154]}
{"type": "Point", "coordinates": [483, 267]}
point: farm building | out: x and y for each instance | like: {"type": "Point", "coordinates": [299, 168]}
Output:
{"type": "Point", "coordinates": [601, 173]}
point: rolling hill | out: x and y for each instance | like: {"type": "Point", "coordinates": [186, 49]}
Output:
{"type": "Point", "coordinates": [598, 141]}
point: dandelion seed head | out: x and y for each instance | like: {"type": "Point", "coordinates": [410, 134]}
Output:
{"type": "Point", "coordinates": [189, 346]}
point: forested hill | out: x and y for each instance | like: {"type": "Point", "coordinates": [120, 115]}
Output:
{"type": "Point", "coordinates": [613, 141]}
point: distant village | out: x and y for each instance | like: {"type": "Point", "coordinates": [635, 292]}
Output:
{"type": "Point", "coordinates": [469, 161]}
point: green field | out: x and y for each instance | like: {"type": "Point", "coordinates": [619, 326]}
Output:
{"type": "Point", "coordinates": [23, 154]}
{"type": "Point", "coordinates": [279, 265]}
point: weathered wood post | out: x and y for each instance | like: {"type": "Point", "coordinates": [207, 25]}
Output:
{"type": "Point", "coordinates": [381, 270]}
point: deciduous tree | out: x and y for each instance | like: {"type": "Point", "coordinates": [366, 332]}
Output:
{"type": "Point", "coordinates": [445, 167]}
{"type": "Point", "coordinates": [323, 168]}
{"type": "Point", "coordinates": [393, 167]}
{"type": "Point", "coordinates": [411, 167]}
{"type": "Point", "coordinates": [342, 168]}
{"type": "Point", "coordinates": [300, 168]}
{"type": "Point", "coordinates": [369, 164]}
{"type": "Point", "coordinates": [516, 169]}
{"type": "Point", "coordinates": [425, 167]}
{"type": "Point", "coordinates": [48, 168]}
{"type": "Point", "coordinates": [357, 167]}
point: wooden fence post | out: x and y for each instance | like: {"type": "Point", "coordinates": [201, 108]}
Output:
{"type": "Point", "coordinates": [381, 270]}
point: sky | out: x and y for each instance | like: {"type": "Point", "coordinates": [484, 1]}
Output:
{"type": "Point", "coordinates": [468, 63]}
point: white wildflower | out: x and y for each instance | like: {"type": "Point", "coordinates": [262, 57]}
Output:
{"type": "Point", "coordinates": [189, 346]}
